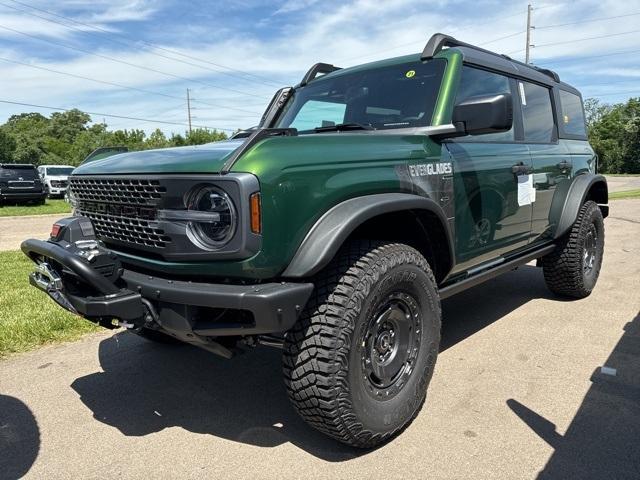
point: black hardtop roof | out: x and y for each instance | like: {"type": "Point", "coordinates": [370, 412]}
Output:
{"type": "Point", "coordinates": [495, 61]}
{"type": "Point", "coordinates": [512, 67]}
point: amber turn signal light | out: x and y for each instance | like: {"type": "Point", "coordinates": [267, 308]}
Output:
{"type": "Point", "coordinates": [256, 214]}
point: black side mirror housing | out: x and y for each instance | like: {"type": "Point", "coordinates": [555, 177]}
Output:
{"type": "Point", "coordinates": [484, 114]}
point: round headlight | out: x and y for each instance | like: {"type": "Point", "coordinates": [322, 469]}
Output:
{"type": "Point", "coordinates": [217, 223]}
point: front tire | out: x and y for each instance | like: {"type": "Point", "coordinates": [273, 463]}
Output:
{"type": "Point", "coordinates": [572, 269]}
{"type": "Point", "coordinates": [358, 362]}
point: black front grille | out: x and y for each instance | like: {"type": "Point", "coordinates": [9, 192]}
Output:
{"type": "Point", "coordinates": [122, 209]}
{"type": "Point", "coordinates": [117, 190]}
{"type": "Point", "coordinates": [58, 183]}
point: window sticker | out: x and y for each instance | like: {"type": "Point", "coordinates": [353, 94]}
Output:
{"type": "Point", "coordinates": [410, 74]}
{"type": "Point", "coordinates": [566, 119]}
{"type": "Point", "coordinates": [523, 98]}
{"type": "Point", "coordinates": [526, 190]}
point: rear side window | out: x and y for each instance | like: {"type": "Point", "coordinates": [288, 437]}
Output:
{"type": "Point", "coordinates": [475, 83]}
{"type": "Point", "coordinates": [572, 114]}
{"type": "Point", "coordinates": [537, 114]}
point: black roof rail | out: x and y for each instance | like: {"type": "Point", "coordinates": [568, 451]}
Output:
{"type": "Point", "coordinates": [439, 40]}
{"type": "Point", "coordinates": [313, 72]}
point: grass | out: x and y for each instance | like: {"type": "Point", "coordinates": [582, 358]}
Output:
{"type": "Point", "coordinates": [28, 317]}
{"type": "Point", "coordinates": [51, 206]}
{"type": "Point", "coordinates": [624, 194]}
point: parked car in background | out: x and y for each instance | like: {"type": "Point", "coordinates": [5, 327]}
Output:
{"type": "Point", "coordinates": [55, 178]}
{"type": "Point", "coordinates": [20, 183]}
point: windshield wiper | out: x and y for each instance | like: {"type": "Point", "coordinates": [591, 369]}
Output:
{"type": "Point", "coordinates": [340, 127]}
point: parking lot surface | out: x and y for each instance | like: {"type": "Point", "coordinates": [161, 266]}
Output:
{"type": "Point", "coordinates": [526, 386]}
{"type": "Point", "coordinates": [13, 230]}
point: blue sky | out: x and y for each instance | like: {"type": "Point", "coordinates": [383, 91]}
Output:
{"type": "Point", "coordinates": [233, 55]}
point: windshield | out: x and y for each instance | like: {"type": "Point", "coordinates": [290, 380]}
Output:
{"type": "Point", "coordinates": [27, 173]}
{"type": "Point", "coordinates": [398, 96]}
{"type": "Point", "coordinates": [59, 170]}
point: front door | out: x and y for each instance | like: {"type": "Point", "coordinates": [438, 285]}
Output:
{"type": "Point", "coordinates": [492, 182]}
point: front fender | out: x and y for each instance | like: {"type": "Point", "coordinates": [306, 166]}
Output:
{"type": "Point", "coordinates": [332, 229]}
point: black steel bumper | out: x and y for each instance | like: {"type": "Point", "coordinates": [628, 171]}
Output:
{"type": "Point", "coordinates": [183, 308]}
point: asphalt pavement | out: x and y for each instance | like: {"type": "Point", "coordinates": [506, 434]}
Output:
{"type": "Point", "coordinates": [13, 230]}
{"type": "Point", "coordinates": [526, 386]}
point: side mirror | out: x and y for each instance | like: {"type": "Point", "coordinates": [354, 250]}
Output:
{"type": "Point", "coordinates": [484, 114]}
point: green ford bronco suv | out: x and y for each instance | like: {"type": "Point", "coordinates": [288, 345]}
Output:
{"type": "Point", "coordinates": [334, 228]}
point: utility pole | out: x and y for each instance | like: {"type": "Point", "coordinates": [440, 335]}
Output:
{"type": "Point", "coordinates": [189, 110]}
{"type": "Point", "coordinates": [529, 27]}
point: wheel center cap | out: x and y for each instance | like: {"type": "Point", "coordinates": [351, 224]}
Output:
{"type": "Point", "coordinates": [384, 342]}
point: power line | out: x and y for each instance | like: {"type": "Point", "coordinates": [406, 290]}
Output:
{"type": "Point", "coordinates": [131, 39]}
{"type": "Point", "coordinates": [502, 38]}
{"type": "Point", "coordinates": [587, 38]}
{"type": "Point", "coordinates": [118, 85]}
{"type": "Point", "coordinates": [586, 21]}
{"type": "Point", "coordinates": [565, 60]}
{"type": "Point", "coordinates": [165, 122]}
{"type": "Point", "coordinates": [141, 67]}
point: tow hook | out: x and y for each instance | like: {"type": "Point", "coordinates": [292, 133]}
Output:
{"type": "Point", "coordinates": [47, 279]}
{"type": "Point", "coordinates": [149, 319]}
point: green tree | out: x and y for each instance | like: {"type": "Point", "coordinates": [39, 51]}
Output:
{"type": "Point", "coordinates": [65, 126]}
{"type": "Point", "coordinates": [157, 139]}
{"type": "Point", "coordinates": [615, 136]}
{"type": "Point", "coordinates": [198, 136]}
{"type": "Point", "coordinates": [7, 147]}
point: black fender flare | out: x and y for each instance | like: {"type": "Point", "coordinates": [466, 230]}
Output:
{"type": "Point", "coordinates": [327, 235]}
{"type": "Point", "coordinates": [576, 196]}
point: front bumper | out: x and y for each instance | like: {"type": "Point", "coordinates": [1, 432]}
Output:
{"type": "Point", "coordinates": [17, 196]}
{"type": "Point", "coordinates": [185, 309]}
{"type": "Point", "coordinates": [57, 191]}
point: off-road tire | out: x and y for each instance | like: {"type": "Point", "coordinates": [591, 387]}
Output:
{"type": "Point", "coordinates": [156, 336]}
{"type": "Point", "coordinates": [565, 269]}
{"type": "Point", "coordinates": [324, 355]}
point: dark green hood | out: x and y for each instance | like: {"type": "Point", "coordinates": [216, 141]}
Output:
{"type": "Point", "coordinates": [208, 158]}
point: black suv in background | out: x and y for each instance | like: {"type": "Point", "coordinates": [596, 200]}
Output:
{"type": "Point", "coordinates": [20, 183]}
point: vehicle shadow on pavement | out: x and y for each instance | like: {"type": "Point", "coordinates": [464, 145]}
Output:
{"type": "Point", "coordinates": [19, 438]}
{"type": "Point", "coordinates": [148, 387]}
{"type": "Point", "coordinates": [472, 310]}
{"type": "Point", "coordinates": [603, 439]}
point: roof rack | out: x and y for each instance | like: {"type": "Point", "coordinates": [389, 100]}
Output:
{"type": "Point", "coordinates": [439, 40]}
{"type": "Point", "coordinates": [318, 68]}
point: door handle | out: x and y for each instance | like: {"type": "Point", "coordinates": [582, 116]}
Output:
{"type": "Point", "coordinates": [564, 165]}
{"type": "Point", "coordinates": [520, 169]}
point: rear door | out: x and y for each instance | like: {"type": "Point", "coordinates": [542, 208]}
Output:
{"type": "Point", "coordinates": [551, 159]}
{"type": "Point", "coordinates": [491, 216]}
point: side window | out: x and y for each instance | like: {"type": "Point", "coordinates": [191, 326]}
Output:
{"type": "Point", "coordinates": [537, 114]}
{"type": "Point", "coordinates": [476, 82]}
{"type": "Point", "coordinates": [572, 114]}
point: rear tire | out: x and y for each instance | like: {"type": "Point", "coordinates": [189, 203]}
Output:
{"type": "Point", "coordinates": [358, 362]}
{"type": "Point", "coordinates": [572, 269]}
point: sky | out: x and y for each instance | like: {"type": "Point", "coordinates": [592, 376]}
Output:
{"type": "Point", "coordinates": [137, 58]}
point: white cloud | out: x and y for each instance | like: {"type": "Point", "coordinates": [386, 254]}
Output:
{"type": "Point", "coordinates": [342, 33]}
